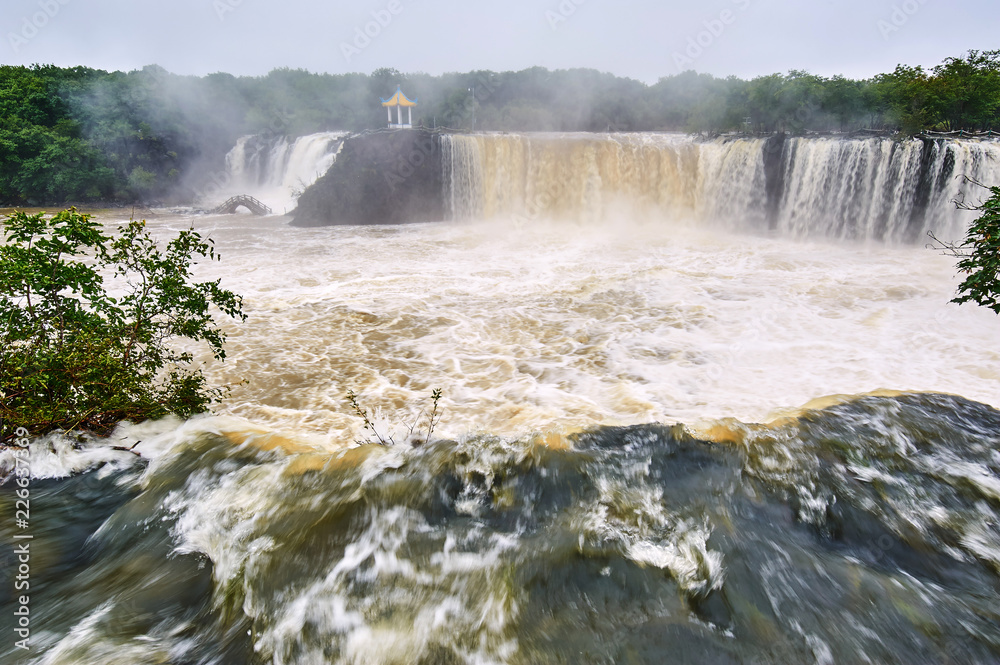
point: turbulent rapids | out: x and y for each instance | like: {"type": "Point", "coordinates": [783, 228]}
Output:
{"type": "Point", "coordinates": [703, 403]}
{"type": "Point", "coordinates": [865, 532]}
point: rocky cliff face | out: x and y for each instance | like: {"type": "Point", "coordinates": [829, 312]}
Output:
{"type": "Point", "coordinates": [387, 177]}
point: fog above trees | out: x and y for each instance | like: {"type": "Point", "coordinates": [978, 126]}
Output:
{"type": "Point", "coordinates": [79, 134]}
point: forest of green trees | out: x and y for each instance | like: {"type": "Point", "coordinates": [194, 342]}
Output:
{"type": "Point", "coordinates": [84, 135]}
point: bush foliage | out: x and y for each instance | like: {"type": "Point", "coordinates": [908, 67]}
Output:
{"type": "Point", "coordinates": [73, 356]}
{"type": "Point", "coordinates": [979, 256]}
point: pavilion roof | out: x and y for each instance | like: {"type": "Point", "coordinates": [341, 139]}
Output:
{"type": "Point", "coordinates": [398, 99]}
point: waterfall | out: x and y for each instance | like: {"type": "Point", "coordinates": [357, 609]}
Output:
{"type": "Point", "coordinates": [949, 161]}
{"type": "Point", "coordinates": [277, 170]}
{"type": "Point", "coordinates": [840, 188]}
{"type": "Point", "coordinates": [881, 188]}
{"type": "Point", "coordinates": [585, 177]}
{"type": "Point", "coordinates": [864, 189]}
{"type": "Point", "coordinates": [732, 180]}
{"type": "Point", "coordinates": [463, 177]}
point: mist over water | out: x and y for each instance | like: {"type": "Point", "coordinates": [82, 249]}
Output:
{"type": "Point", "coordinates": [858, 189]}
{"type": "Point", "coordinates": [566, 325]}
{"type": "Point", "coordinates": [276, 170]}
{"type": "Point", "coordinates": [620, 279]}
{"type": "Point", "coordinates": [588, 295]}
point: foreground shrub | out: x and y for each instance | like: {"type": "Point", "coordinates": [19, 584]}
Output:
{"type": "Point", "coordinates": [74, 357]}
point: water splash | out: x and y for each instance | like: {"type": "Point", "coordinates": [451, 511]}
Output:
{"type": "Point", "coordinates": [860, 531]}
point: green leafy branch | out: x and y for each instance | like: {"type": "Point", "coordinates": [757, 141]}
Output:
{"type": "Point", "coordinates": [72, 356]}
{"type": "Point", "coordinates": [979, 252]}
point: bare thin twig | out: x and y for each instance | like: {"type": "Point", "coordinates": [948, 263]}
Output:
{"type": "Point", "coordinates": [353, 399]}
{"type": "Point", "coordinates": [432, 421]}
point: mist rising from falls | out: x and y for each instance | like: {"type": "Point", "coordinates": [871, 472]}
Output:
{"type": "Point", "coordinates": [866, 189]}
{"type": "Point", "coordinates": [848, 188]}
{"type": "Point", "coordinates": [586, 177]}
{"type": "Point", "coordinates": [880, 188]}
{"type": "Point", "coordinates": [277, 170]}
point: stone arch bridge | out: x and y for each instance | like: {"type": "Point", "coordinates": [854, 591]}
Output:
{"type": "Point", "coordinates": [245, 201]}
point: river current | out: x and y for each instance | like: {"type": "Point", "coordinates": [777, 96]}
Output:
{"type": "Point", "coordinates": [661, 440]}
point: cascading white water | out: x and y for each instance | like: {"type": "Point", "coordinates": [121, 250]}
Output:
{"type": "Point", "coordinates": [863, 189]}
{"type": "Point", "coordinates": [463, 177]}
{"type": "Point", "coordinates": [732, 184]}
{"type": "Point", "coordinates": [866, 189]}
{"type": "Point", "coordinates": [243, 161]}
{"type": "Point", "coordinates": [880, 188]}
{"type": "Point", "coordinates": [585, 176]}
{"type": "Point", "coordinates": [276, 170]}
{"type": "Point", "coordinates": [951, 160]}
{"type": "Point", "coordinates": [556, 492]}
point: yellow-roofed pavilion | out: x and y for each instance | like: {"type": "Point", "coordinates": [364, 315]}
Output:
{"type": "Point", "coordinates": [399, 100]}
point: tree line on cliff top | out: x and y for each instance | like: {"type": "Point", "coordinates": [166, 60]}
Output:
{"type": "Point", "coordinates": [79, 134]}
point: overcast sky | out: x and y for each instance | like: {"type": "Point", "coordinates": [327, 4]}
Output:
{"type": "Point", "coordinates": [641, 39]}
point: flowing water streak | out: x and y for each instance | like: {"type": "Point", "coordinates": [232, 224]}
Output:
{"type": "Point", "coordinates": [951, 160]}
{"type": "Point", "coordinates": [731, 183]}
{"type": "Point", "coordinates": [276, 170]}
{"type": "Point", "coordinates": [849, 189]}
{"type": "Point", "coordinates": [863, 531]}
{"type": "Point", "coordinates": [588, 178]}
{"type": "Point", "coordinates": [866, 189]}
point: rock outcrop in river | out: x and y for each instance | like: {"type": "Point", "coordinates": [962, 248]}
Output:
{"type": "Point", "coordinates": [385, 177]}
